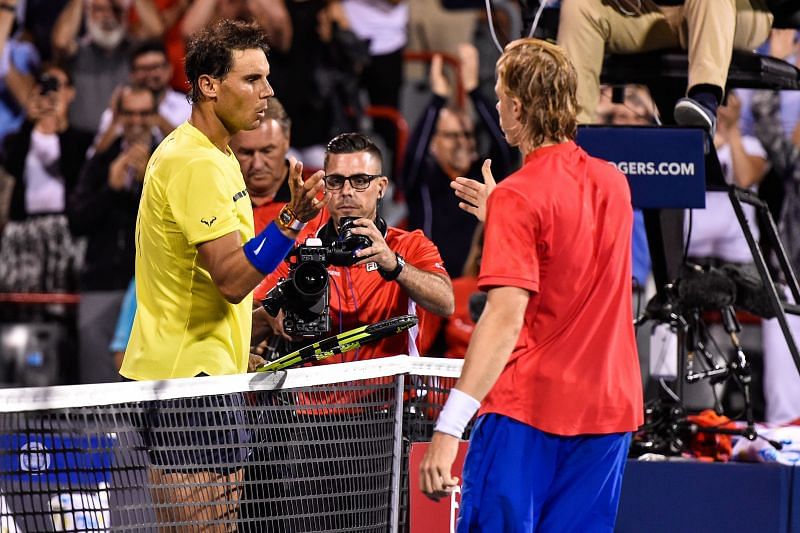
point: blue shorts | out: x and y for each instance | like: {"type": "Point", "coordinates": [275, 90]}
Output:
{"type": "Point", "coordinates": [520, 479]}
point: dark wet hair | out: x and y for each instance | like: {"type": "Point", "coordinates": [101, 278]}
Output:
{"type": "Point", "coordinates": [210, 51]}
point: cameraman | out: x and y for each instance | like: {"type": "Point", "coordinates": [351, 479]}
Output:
{"type": "Point", "coordinates": [393, 275]}
{"type": "Point", "coordinates": [397, 271]}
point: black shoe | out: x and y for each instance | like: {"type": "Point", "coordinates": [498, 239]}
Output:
{"type": "Point", "coordinates": [690, 112]}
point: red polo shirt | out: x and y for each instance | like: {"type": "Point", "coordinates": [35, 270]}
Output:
{"type": "Point", "coordinates": [560, 228]}
{"type": "Point", "coordinates": [359, 295]}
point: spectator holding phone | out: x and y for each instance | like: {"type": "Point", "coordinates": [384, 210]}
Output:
{"type": "Point", "coordinates": [45, 156]}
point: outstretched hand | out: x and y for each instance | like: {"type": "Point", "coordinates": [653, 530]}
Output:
{"type": "Point", "coordinates": [305, 203]}
{"type": "Point", "coordinates": [265, 325]}
{"type": "Point", "coordinates": [254, 361]}
{"type": "Point", "coordinates": [474, 193]}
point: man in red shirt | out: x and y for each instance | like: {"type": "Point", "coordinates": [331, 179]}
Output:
{"type": "Point", "coordinates": [552, 363]}
{"type": "Point", "coordinates": [400, 273]}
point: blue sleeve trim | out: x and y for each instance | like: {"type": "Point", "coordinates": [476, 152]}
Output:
{"type": "Point", "coordinates": [122, 333]}
{"type": "Point", "coordinates": [266, 250]}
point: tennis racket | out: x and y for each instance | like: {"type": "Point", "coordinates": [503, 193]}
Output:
{"type": "Point", "coordinates": [341, 343]}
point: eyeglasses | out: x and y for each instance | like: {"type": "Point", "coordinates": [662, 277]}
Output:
{"type": "Point", "coordinates": [455, 135]}
{"type": "Point", "coordinates": [150, 68]}
{"type": "Point", "coordinates": [135, 113]}
{"type": "Point", "coordinates": [359, 182]}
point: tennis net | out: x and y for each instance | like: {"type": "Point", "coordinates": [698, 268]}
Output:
{"type": "Point", "coordinates": [312, 449]}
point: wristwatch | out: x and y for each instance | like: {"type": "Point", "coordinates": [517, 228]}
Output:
{"type": "Point", "coordinates": [391, 275]}
{"type": "Point", "coordinates": [287, 219]}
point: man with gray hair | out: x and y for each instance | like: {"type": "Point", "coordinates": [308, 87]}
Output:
{"type": "Point", "coordinates": [98, 62]}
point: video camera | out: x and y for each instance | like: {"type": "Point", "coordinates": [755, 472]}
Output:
{"type": "Point", "coordinates": [303, 295]}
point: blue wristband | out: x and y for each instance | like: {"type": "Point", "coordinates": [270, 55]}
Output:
{"type": "Point", "coordinates": [266, 250]}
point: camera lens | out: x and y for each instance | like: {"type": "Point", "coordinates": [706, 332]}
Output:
{"type": "Point", "coordinates": [310, 279]}
{"type": "Point", "coordinates": [346, 225]}
{"type": "Point", "coordinates": [349, 241]}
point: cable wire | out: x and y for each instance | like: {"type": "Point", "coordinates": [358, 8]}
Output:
{"type": "Point", "coordinates": [670, 392]}
{"type": "Point", "coordinates": [688, 238]}
{"type": "Point", "coordinates": [491, 25]}
{"type": "Point", "coordinates": [535, 24]}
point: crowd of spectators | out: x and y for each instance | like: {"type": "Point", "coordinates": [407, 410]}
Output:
{"type": "Point", "coordinates": [88, 88]}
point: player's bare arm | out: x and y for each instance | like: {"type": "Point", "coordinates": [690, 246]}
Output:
{"type": "Point", "coordinates": [224, 258]}
{"type": "Point", "coordinates": [431, 290]}
{"type": "Point", "coordinates": [489, 349]}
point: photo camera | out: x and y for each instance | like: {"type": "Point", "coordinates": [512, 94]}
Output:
{"type": "Point", "coordinates": [304, 293]}
{"type": "Point", "coordinates": [48, 83]}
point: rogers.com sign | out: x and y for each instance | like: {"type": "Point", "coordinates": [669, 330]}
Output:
{"type": "Point", "coordinates": [650, 168]}
{"type": "Point", "coordinates": [665, 166]}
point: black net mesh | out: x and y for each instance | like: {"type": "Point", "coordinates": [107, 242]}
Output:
{"type": "Point", "coordinates": [329, 457]}
{"type": "Point", "coordinates": [257, 461]}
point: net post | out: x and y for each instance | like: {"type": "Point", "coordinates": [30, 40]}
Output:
{"type": "Point", "coordinates": [398, 453]}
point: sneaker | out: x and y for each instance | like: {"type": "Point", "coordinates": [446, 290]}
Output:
{"type": "Point", "coordinates": [690, 112]}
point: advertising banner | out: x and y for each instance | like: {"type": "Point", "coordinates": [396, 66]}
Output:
{"type": "Point", "coordinates": [665, 166]}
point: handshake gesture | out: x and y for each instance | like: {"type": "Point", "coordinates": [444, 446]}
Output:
{"type": "Point", "coordinates": [474, 193]}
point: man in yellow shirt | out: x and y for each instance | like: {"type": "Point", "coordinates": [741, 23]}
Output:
{"type": "Point", "coordinates": [194, 275]}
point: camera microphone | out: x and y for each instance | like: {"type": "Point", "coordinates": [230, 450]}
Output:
{"type": "Point", "coordinates": [751, 296]}
{"type": "Point", "coordinates": [706, 289]}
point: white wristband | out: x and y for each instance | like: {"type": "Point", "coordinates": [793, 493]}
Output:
{"type": "Point", "coordinates": [456, 413]}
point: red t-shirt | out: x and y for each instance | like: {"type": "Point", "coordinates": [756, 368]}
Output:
{"type": "Point", "coordinates": [359, 295]}
{"type": "Point", "coordinates": [266, 213]}
{"type": "Point", "coordinates": [560, 228]}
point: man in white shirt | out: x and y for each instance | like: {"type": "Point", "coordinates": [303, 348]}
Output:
{"type": "Point", "coordinates": [716, 232]}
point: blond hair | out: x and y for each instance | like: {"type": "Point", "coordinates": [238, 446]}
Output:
{"type": "Point", "coordinates": [540, 75]}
